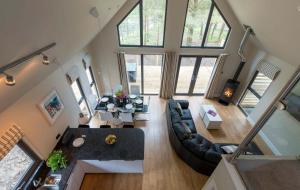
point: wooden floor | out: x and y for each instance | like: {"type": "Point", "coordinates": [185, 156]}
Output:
{"type": "Point", "coordinates": [163, 169]}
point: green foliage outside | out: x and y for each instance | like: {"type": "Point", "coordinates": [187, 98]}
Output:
{"type": "Point", "coordinates": [153, 25]}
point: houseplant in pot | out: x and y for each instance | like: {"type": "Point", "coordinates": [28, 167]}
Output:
{"type": "Point", "coordinates": [57, 160]}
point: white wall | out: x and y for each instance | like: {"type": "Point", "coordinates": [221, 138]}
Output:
{"type": "Point", "coordinates": [29, 25]}
{"type": "Point", "coordinates": [287, 70]}
{"type": "Point", "coordinates": [26, 114]}
{"type": "Point", "coordinates": [105, 44]}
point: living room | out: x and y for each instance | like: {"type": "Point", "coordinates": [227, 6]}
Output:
{"type": "Point", "coordinates": [81, 52]}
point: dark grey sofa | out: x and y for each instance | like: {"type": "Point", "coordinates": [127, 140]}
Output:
{"type": "Point", "coordinates": [198, 152]}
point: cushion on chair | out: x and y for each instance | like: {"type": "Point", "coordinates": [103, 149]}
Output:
{"type": "Point", "coordinates": [191, 125]}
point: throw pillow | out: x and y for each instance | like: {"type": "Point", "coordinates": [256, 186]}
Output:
{"type": "Point", "coordinates": [179, 109]}
{"type": "Point", "coordinates": [188, 132]}
{"type": "Point", "coordinates": [229, 149]}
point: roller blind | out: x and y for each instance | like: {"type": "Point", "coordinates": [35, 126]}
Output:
{"type": "Point", "coordinates": [8, 139]}
{"type": "Point", "coordinates": [268, 69]}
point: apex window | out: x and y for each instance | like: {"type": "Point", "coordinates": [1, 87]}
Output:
{"type": "Point", "coordinates": [144, 25]}
{"type": "Point", "coordinates": [205, 26]}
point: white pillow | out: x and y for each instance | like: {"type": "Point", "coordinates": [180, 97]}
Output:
{"type": "Point", "coordinates": [229, 149]}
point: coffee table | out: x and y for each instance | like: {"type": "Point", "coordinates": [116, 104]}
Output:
{"type": "Point", "coordinates": [210, 117]}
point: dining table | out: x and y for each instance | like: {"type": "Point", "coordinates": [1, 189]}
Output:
{"type": "Point", "coordinates": [131, 103]}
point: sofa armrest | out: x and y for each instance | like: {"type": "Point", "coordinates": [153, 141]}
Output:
{"type": "Point", "coordinates": [183, 103]}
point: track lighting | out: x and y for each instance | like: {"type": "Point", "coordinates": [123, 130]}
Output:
{"type": "Point", "coordinates": [9, 80]}
{"type": "Point", "coordinates": [46, 60]}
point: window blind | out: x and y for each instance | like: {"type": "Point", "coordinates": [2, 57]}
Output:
{"type": "Point", "coordinates": [268, 69]}
{"type": "Point", "coordinates": [8, 139]}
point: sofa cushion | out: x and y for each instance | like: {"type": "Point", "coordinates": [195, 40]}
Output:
{"type": "Point", "coordinates": [172, 104]}
{"type": "Point", "coordinates": [213, 154]}
{"type": "Point", "coordinates": [182, 131]}
{"type": "Point", "coordinates": [190, 124]}
{"type": "Point", "coordinates": [175, 117]}
{"type": "Point", "coordinates": [186, 114]}
{"type": "Point", "coordinates": [198, 145]}
{"type": "Point", "coordinates": [183, 103]}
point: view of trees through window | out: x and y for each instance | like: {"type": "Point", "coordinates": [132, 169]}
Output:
{"type": "Point", "coordinates": [129, 29]}
{"type": "Point", "coordinates": [152, 20]}
{"type": "Point", "coordinates": [199, 14]}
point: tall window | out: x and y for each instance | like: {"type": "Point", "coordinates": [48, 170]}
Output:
{"type": "Point", "coordinates": [92, 82]}
{"type": "Point", "coordinates": [254, 92]}
{"type": "Point", "coordinates": [17, 167]}
{"type": "Point", "coordinates": [80, 97]}
{"type": "Point", "coordinates": [144, 73]}
{"type": "Point", "coordinates": [144, 25]}
{"type": "Point", "coordinates": [204, 26]}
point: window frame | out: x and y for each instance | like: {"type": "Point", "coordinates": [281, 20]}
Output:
{"type": "Point", "coordinates": [34, 166]}
{"type": "Point", "coordinates": [142, 72]}
{"type": "Point", "coordinates": [213, 5]}
{"type": "Point", "coordinates": [195, 71]}
{"type": "Point", "coordinates": [83, 97]}
{"type": "Point", "coordinates": [257, 95]}
{"type": "Point", "coordinates": [140, 2]}
{"type": "Point", "coordinates": [93, 83]}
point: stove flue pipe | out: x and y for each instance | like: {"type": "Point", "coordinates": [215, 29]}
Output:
{"type": "Point", "coordinates": [248, 32]}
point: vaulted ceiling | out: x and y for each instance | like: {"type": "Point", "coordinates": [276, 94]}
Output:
{"type": "Point", "coordinates": [276, 24]}
{"type": "Point", "coordinates": [26, 26]}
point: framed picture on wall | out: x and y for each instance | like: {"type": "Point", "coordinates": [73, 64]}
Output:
{"type": "Point", "coordinates": [52, 106]}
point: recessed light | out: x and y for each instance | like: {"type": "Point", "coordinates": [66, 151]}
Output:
{"type": "Point", "coordinates": [298, 8]}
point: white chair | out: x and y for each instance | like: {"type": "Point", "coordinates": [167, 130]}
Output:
{"type": "Point", "coordinates": [106, 116]}
{"type": "Point", "coordinates": [135, 89]}
{"type": "Point", "coordinates": [126, 117]}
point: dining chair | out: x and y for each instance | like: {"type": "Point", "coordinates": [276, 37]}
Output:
{"type": "Point", "coordinates": [128, 126]}
{"type": "Point", "coordinates": [126, 117]}
{"type": "Point", "coordinates": [105, 126]}
{"type": "Point", "coordinates": [135, 89]}
{"type": "Point", "coordinates": [106, 116]}
{"type": "Point", "coordinates": [83, 126]}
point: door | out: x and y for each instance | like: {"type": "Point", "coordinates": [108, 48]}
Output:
{"type": "Point", "coordinates": [193, 74]}
{"type": "Point", "coordinates": [144, 73]}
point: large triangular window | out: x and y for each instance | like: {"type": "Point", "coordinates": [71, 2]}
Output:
{"type": "Point", "coordinates": [144, 25]}
{"type": "Point", "coordinates": [205, 26]}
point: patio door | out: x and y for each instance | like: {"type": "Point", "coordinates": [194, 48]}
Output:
{"type": "Point", "coordinates": [144, 73]}
{"type": "Point", "coordinates": [193, 74]}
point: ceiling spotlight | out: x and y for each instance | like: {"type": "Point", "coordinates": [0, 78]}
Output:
{"type": "Point", "coordinates": [9, 80]}
{"type": "Point", "coordinates": [46, 60]}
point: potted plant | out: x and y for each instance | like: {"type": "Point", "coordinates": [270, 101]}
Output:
{"type": "Point", "coordinates": [121, 97]}
{"type": "Point", "coordinates": [57, 160]}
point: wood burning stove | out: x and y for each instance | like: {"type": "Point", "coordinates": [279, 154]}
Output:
{"type": "Point", "coordinates": [232, 84]}
{"type": "Point", "coordinates": [228, 91]}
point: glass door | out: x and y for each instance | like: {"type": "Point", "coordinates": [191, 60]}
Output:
{"type": "Point", "coordinates": [193, 74]}
{"type": "Point", "coordinates": [144, 73]}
